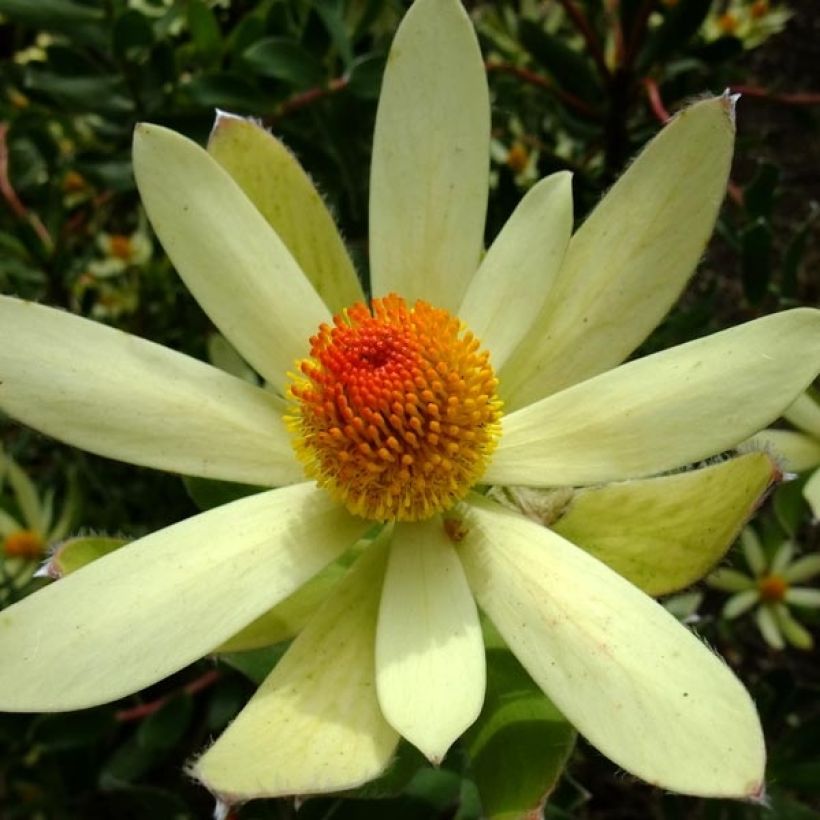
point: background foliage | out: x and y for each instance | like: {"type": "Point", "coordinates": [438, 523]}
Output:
{"type": "Point", "coordinates": [576, 84]}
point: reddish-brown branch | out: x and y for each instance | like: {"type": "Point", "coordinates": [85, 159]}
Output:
{"type": "Point", "coordinates": [795, 98]}
{"type": "Point", "coordinates": [653, 96]}
{"type": "Point", "coordinates": [145, 709]}
{"type": "Point", "coordinates": [308, 98]}
{"type": "Point", "coordinates": [613, 9]}
{"type": "Point", "coordinates": [636, 36]}
{"type": "Point", "coordinates": [10, 195]}
{"type": "Point", "coordinates": [581, 22]}
{"type": "Point", "coordinates": [540, 81]}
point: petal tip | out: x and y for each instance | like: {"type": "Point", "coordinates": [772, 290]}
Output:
{"type": "Point", "coordinates": [729, 102]}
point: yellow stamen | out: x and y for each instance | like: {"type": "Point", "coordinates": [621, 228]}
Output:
{"type": "Point", "coordinates": [396, 412]}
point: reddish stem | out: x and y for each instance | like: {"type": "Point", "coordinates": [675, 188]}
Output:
{"type": "Point", "coordinates": [542, 82]}
{"type": "Point", "coordinates": [308, 98]}
{"type": "Point", "coordinates": [653, 96]}
{"type": "Point", "coordinates": [10, 195]}
{"type": "Point", "coordinates": [796, 98]}
{"type": "Point", "coordinates": [581, 22]}
{"type": "Point", "coordinates": [145, 709]}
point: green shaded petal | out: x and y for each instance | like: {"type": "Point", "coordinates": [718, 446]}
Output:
{"type": "Point", "coordinates": [236, 267]}
{"type": "Point", "coordinates": [430, 669]}
{"type": "Point", "coordinates": [431, 157]}
{"type": "Point", "coordinates": [631, 259]}
{"type": "Point", "coordinates": [795, 633]}
{"type": "Point", "coordinates": [127, 398]}
{"type": "Point", "coordinates": [768, 627]}
{"type": "Point", "coordinates": [636, 683]}
{"type": "Point", "coordinates": [663, 534]}
{"type": "Point", "coordinates": [805, 414]}
{"type": "Point", "coordinates": [811, 492]}
{"type": "Point", "coordinates": [662, 411]}
{"type": "Point", "coordinates": [272, 178]}
{"type": "Point", "coordinates": [753, 551]}
{"type": "Point", "coordinates": [803, 569]}
{"type": "Point", "coordinates": [154, 606]}
{"type": "Point", "coordinates": [730, 580]}
{"type": "Point", "coordinates": [314, 726]}
{"type": "Point", "coordinates": [740, 603]}
{"type": "Point", "coordinates": [805, 597]}
{"type": "Point", "coordinates": [515, 276]}
{"type": "Point", "coordinates": [75, 553]}
{"type": "Point", "coordinates": [798, 451]}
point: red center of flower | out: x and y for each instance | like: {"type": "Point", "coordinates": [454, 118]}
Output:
{"type": "Point", "coordinates": [396, 412]}
{"type": "Point", "coordinates": [772, 588]}
{"type": "Point", "coordinates": [23, 544]}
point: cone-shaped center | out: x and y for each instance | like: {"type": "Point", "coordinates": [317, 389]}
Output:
{"type": "Point", "coordinates": [396, 412]}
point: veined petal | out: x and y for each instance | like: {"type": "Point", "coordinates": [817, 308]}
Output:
{"type": "Point", "coordinates": [314, 726]}
{"type": "Point", "coordinates": [272, 178]}
{"type": "Point", "coordinates": [430, 667]}
{"type": "Point", "coordinates": [638, 685]}
{"type": "Point", "coordinates": [805, 414]}
{"type": "Point", "coordinates": [663, 534]}
{"type": "Point", "coordinates": [431, 157]}
{"type": "Point", "coordinates": [662, 411]}
{"type": "Point", "coordinates": [152, 607]}
{"type": "Point", "coordinates": [515, 276]}
{"type": "Point", "coordinates": [124, 397]}
{"type": "Point", "coordinates": [630, 260]}
{"type": "Point", "coordinates": [235, 265]}
{"type": "Point", "coordinates": [811, 492]}
{"type": "Point", "coordinates": [798, 451]}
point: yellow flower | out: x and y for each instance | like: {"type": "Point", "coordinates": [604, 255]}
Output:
{"type": "Point", "coordinates": [771, 588]}
{"type": "Point", "coordinates": [396, 649]}
{"type": "Point", "coordinates": [798, 449]}
{"type": "Point", "coordinates": [24, 541]}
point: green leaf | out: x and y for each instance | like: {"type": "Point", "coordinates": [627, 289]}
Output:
{"type": "Point", "coordinates": [793, 257]}
{"type": "Point", "coordinates": [755, 256]}
{"type": "Point", "coordinates": [51, 15]}
{"type": "Point", "coordinates": [789, 505]}
{"type": "Point", "coordinates": [284, 59]}
{"type": "Point", "coordinates": [681, 23]}
{"type": "Point", "coordinates": [167, 726]}
{"type": "Point", "coordinates": [330, 13]}
{"type": "Point", "coordinates": [72, 730]}
{"type": "Point", "coordinates": [132, 34]}
{"type": "Point", "coordinates": [520, 743]}
{"type": "Point", "coordinates": [759, 194]}
{"type": "Point", "coordinates": [207, 493]}
{"type": "Point", "coordinates": [255, 664]}
{"type": "Point", "coordinates": [571, 69]}
{"type": "Point", "coordinates": [365, 76]}
{"type": "Point", "coordinates": [225, 90]}
{"type": "Point", "coordinates": [406, 762]}
{"type": "Point", "coordinates": [204, 28]}
{"type": "Point", "coordinates": [105, 94]}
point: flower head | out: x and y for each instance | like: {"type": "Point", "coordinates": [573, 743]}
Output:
{"type": "Point", "coordinates": [770, 588]}
{"type": "Point", "coordinates": [798, 449]}
{"type": "Point", "coordinates": [394, 410]}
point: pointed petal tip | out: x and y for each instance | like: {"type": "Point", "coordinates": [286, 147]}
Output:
{"type": "Point", "coordinates": [729, 101]}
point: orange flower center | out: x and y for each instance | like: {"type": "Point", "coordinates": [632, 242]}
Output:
{"type": "Point", "coordinates": [727, 23]}
{"type": "Point", "coordinates": [396, 412]}
{"type": "Point", "coordinates": [772, 588]}
{"type": "Point", "coordinates": [517, 157]}
{"type": "Point", "coordinates": [120, 246]}
{"type": "Point", "coordinates": [23, 544]}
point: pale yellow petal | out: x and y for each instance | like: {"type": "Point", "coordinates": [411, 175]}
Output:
{"type": "Point", "coordinates": [805, 414]}
{"type": "Point", "coordinates": [289, 617]}
{"type": "Point", "coordinates": [430, 667]}
{"type": "Point", "coordinates": [150, 608]}
{"type": "Point", "coordinates": [235, 265]}
{"type": "Point", "coordinates": [314, 726]}
{"type": "Point", "coordinates": [663, 534]}
{"type": "Point", "coordinates": [797, 450]}
{"type": "Point", "coordinates": [663, 411]}
{"type": "Point", "coordinates": [630, 260]}
{"type": "Point", "coordinates": [272, 178]}
{"type": "Point", "coordinates": [516, 275]}
{"type": "Point", "coordinates": [430, 168]}
{"type": "Point", "coordinates": [123, 397]}
{"type": "Point", "coordinates": [637, 684]}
